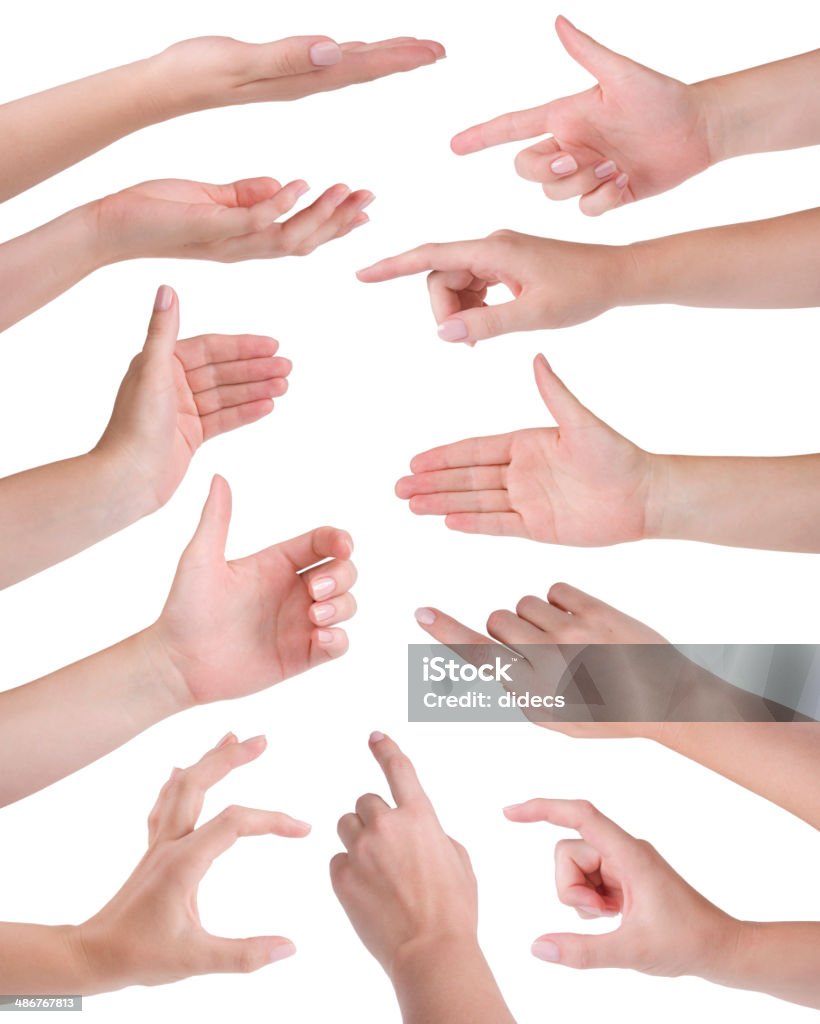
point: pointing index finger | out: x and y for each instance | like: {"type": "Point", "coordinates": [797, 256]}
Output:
{"type": "Point", "coordinates": [513, 127]}
{"type": "Point", "coordinates": [431, 256]}
{"type": "Point", "coordinates": [398, 770]}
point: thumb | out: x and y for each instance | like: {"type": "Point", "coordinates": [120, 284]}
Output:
{"type": "Point", "coordinates": [472, 325]}
{"type": "Point", "coordinates": [241, 956]}
{"type": "Point", "coordinates": [212, 532]}
{"type": "Point", "coordinates": [163, 328]}
{"type": "Point", "coordinates": [582, 951]}
{"type": "Point", "coordinates": [296, 55]}
{"type": "Point", "coordinates": [565, 408]}
{"type": "Point", "coordinates": [590, 54]}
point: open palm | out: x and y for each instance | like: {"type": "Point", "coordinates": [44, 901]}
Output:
{"type": "Point", "coordinates": [580, 483]}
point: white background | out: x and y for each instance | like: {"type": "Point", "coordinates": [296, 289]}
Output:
{"type": "Point", "coordinates": [371, 386]}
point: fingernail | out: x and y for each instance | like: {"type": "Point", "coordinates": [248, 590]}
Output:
{"type": "Point", "coordinates": [281, 952]}
{"type": "Point", "coordinates": [360, 219]}
{"type": "Point", "coordinates": [546, 950]}
{"type": "Point", "coordinates": [621, 180]}
{"type": "Point", "coordinates": [425, 616]}
{"type": "Point", "coordinates": [174, 773]}
{"type": "Point", "coordinates": [544, 361]}
{"type": "Point", "coordinates": [322, 587]}
{"type": "Point", "coordinates": [323, 55]}
{"type": "Point", "coordinates": [564, 165]}
{"type": "Point", "coordinates": [255, 739]}
{"type": "Point", "coordinates": [323, 612]}
{"type": "Point", "coordinates": [302, 190]}
{"type": "Point", "coordinates": [225, 739]}
{"type": "Point", "coordinates": [592, 911]}
{"type": "Point", "coordinates": [367, 202]}
{"type": "Point", "coordinates": [163, 300]}
{"type": "Point", "coordinates": [324, 636]}
{"type": "Point", "coordinates": [376, 737]}
{"type": "Point", "coordinates": [340, 198]}
{"type": "Point", "coordinates": [605, 169]}
{"type": "Point", "coordinates": [511, 807]}
{"type": "Point", "coordinates": [452, 330]}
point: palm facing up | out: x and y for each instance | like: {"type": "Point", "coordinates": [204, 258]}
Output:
{"type": "Point", "coordinates": [579, 483]}
{"type": "Point", "coordinates": [651, 128]}
{"type": "Point", "coordinates": [233, 628]}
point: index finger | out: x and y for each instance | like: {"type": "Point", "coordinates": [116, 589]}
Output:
{"type": "Point", "coordinates": [431, 256]}
{"type": "Point", "coordinates": [398, 770]}
{"type": "Point", "coordinates": [598, 830]}
{"type": "Point", "coordinates": [513, 127]}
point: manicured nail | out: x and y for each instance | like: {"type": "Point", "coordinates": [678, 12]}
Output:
{"type": "Point", "coordinates": [344, 192]}
{"type": "Point", "coordinates": [281, 952]}
{"type": "Point", "coordinates": [605, 169]}
{"type": "Point", "coordinates": [323, 612]}
{"type": "Point", "coordinates": [376, 737]}
{"type": "Point", "coordinates": [425, 616]}
{"type": "Point", "coordinates": [324, 636]}
{"type": "Point", "coordinates": [621, 181]}
{"type": "Point", "coordinates": [592, 911]}
{"type": "Point", "coordinates": [323, 55]}
{"type": "Point", "coordinates": [359, 220]}
{"type": "Point", "coordinates": [511, 807]}
{"type": "Point", "coordinates": [302, 190]}
{"type": "Point", "coordinates": [564, 165]}
{"type": "Point", "coordinates": [255, 739]}
{"type": "Point", "coordinates": [225, 739]}
{"type": "Point", "coordinates": [541, 358]}
{"type": "Point", "coordinates": [322, 587]}
{"type": "Point", "coordinates": [163, 299]}
{"type": "Point", "coordinates": [452, 330]}
{"type": "Point", "coordinates": [367, 202]}
{"type": "Point", "coordinates": [546, 950]}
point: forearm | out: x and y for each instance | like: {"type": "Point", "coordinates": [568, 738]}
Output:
{"type": "Point", "coordinates": [778, 760]}
{"type": "Point", "coordinates": [770, 503]}
{"type": "Point", "coordinates": [42, 264]}
{"type": "Point", "coordinates": [779, 958]}
{"type": "Point", "coordinates": [41, 960]}
{"type": "Point", "coordinates": [767, 264]}
{"type": "Point", "coordinates": [47, 132]}
{"type": "Point", "coordinates": [55, 725]}
{"type": "Point", "coordinates": [771, 107]}
{"type": "Point", "coordinates": [49, 513]}
{"type": "Point", "coordinates": [450, 982]}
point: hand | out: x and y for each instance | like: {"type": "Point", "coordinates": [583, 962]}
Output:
{"type": "Point", "coordinates": [229, 629]}
{"type": "Point", "coordinates": [225, 223]}
{"type": "Point", "coordinates": [634, 134]}
{"type": "Point", "coordinates": [667, 928]}
{"type": "Point", "coordinates": [215, 71]}
{"type": "Point", "coordinates": [579, 483]}
{"type": "Point", "coordinates": [403, 882]}
{"type": "Point", "coordinates": [562, 644]}
{"type": "Point", "coordinates": [554, 284]}
{"type": "Point", "coordinates": [179, 394]}
{"type": "Point", "coordinates": [150, 933]}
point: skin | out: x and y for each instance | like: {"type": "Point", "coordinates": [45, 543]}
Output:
{"type": "Point", "coordinates": [228, 629]}
{"type": "Point", "coordinates": [667, 929]}
{"type": "Point", "coordinates": [172, 219]}
{"type": "Point", "coordinates": [637, 133]}
{"type": "Point", "coordinates": [762, 746]}
{"type": "Point", "coordinates": [556, 284]}
{"type": "Point", "coordinates": [52, 130]}
{"type": "Point", "coordinates": [581, 483]}
{"type": "Point", "coordinates": [150, 933]}
{"type": "Point", "coordinates": [411, 896]}
{"type": "Point", "coordinates": [175, 396]}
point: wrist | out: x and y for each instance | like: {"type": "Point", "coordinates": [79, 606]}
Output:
{"type": "Point", "coordinates": [129, 497]}
{"type": "Point", "coordinates": [717, 124]}
{"type": "Point", "coordinates": [170, 693]}
{"type": "Point", "coordinates": [86, 967]}
{"type": "Point", "coordinates": [416, 958]}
